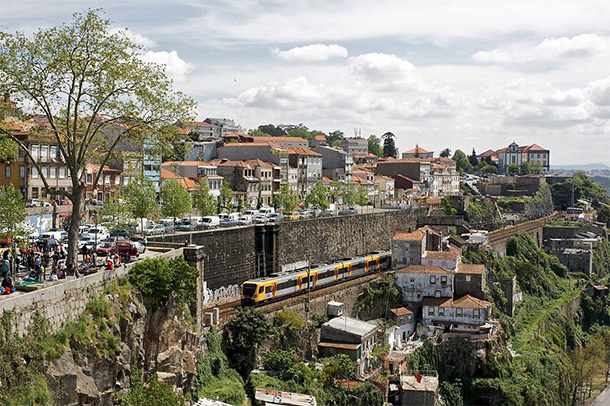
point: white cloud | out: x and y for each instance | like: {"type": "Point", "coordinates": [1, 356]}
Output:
{"type": "Point", "coordinates": [315, 52]}
{"type": "Point", "coordinates": [548, 50]}
{"type": "Point", "coordinates": [176, 68]}
{"type": "Point", "coordinates": [137, 38]}
{"type": "Point", "coordinates": [387, 70]}
{"type": "Point", "coordinates": [599, 92]}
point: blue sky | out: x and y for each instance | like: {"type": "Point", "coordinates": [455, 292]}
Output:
{"type": "Point", "coordinates": [437, 73]}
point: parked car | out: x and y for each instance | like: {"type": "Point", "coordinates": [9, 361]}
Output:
{"type": "Point", "coordinates": [259, 219]}
{"type": "Point", "coordinates": [208, 222]}
{"type": "Point", "coordinates": [34, 203]}
{"type": "Point", "coordinates": [127, 248]}
{"type": "Point", "coordinates": [87, 240]}
{"type": "Point", "coordinates": [292, 216]}
{"type": "Point", "coordinates": [123, 232]}
{"type": "Point", "coordinates": [57, 233]}
{"type": "Point", "coordinates": [46, 239]}
{"type": "Point", "coordinates": [154, 229]}
{"type": "Point", "coordinates": [63, 202]}
{"type": "Point", "coordinates": [275, 217]}
{"type": "Point", "coordinates": [245, 220]}
{"type": "Point", "coordinates": [100, 232]}
{"type": "Point", "coordinates": [351, 210]}
{"type": "Point", "coordinates": [107, 248]}
{"type": "Point", "coordinates": [187, 225]}
{"type": "Point", "coordinates": [327, 213]}
{"type": "Point", "coordinates": [169, 225]}
{"type": "Point", "coordinates": [94, 202]}
{"type": "Point", "coordinates": [306, 214]}
{"type": "Point", "coordinates": [266, 211]}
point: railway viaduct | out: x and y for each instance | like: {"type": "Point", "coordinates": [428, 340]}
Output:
{"type": "Point", "coordinates": [497, 239]}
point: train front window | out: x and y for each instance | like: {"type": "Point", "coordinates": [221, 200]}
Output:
{"type": "Point", "coordinates": [249, 289]}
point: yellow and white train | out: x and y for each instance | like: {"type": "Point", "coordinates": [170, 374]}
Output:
{"type": "Point", "coordinates": [275, 286]}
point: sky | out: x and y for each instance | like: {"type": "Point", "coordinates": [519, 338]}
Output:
{"type": "Point", "coordinates": [440, 74]}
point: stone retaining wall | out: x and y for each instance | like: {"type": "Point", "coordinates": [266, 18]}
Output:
{"type": "Point", "coordinates": [65, 300]}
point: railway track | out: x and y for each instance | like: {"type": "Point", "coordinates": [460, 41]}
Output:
{"type": "Point", "coordinates": [229, 309]}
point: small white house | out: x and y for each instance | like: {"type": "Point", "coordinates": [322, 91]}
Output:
{"type": "Point", "coordinates": [464, 314]}
{"type": "Point", "coordinates": [404, 328]}
{"type": "Point", "coordinates": [420, 281]}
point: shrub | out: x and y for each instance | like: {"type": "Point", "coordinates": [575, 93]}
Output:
{"type": "Point", "coordinates": [159, 278]}
{"type": "Point", "coordinates": [280, 360]}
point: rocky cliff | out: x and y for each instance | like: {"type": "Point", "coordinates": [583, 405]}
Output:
{"type": "Point", "coordinates": [118, 333]}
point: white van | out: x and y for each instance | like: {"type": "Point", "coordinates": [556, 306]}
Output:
{"type": "Point", "coordinates": [245, 220]}
{"type": "Point", "coordinates": [210, 221]}
{"type": "Point", "coordinates": [267, 211]}
{"type": "Point", "coordinates": [234, 216]}
{"type": "Point", "coordinates": [251, 212]}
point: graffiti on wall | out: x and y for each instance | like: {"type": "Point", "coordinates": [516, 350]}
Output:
{"type": "Point", "coordinates": [222, 294]}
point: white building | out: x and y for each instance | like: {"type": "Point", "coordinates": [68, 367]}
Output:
{"type": "Point", "coordinates": [404, 328]}
{"type": "Point", "coordinates": [444, 259]}
{"type": "Point", "coordinates": [419, 281]}
{"type": "Point", "coordinates": [467, 313]}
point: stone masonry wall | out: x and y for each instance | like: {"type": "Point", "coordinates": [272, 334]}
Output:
{"type": "Point", "coordinates": [64, 300]}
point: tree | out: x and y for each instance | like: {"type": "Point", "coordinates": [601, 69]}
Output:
{"type": "Point", "coordinates": [318, 197]}
{"type": "Point", "coordinates": [203, 201]}
{"type": "Point", "coordinates": [226, 195]}
{"type": "Point", "coordinates": [335, 136]}
{"type": "Point", "coordinates": [115, 213]}
{"type": "Point", "coordinates": [524, 168]}
{"type": "Point", "coordinates": [473, 158]}
{"type": "Point", "coordinates": [258, 133]}
{"type": "Point", "coordinates": [462, 163]}
{"type": "Point", "coordinates": [375, 145]}
{"type": "Point", "coordinates": [12, 212]}
{"type": "Point", "coordinates": [272, 130]}
{"type": "Point", "coordinates": [513, 169]}
{"type": "Point", "coordinates": [95, 91]}
{"type": "Point", "coordinates": [416, 155]}
{"type": "Point", "coordinates": [603, 214]}
{"type": "Point", "coordinates": [242, 336]}
{"type": "Point", "coordinates": [175, 200]}
{"type": "Point", "coordinates": [338, 367]}
{"type": "Point", "coordinates": [580, 366]}
{"type": "Point", "coordinates": [368, 395]}
{"type": "Point", "coordinates": [362, 196]}
{"type": "Point", "coordinates": [286, 198]}
{"type": "Point", "coordinates": [154, 393]}
{"type": "Point", "coordinates": [389, 147]}
{"type": "Point", "coordinates": [445, 153]}
{"type": "Point", "coordinates": [142, 199]}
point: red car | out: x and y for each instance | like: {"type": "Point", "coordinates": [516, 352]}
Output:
{"type": "Point", "coordinates": [128, 248]}
{"type": "Point", "coordinates": [63, 202]}
{"type": "Point", "coordinates": [107, 248]}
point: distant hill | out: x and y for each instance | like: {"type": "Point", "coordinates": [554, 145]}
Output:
{"type": "Point", "coordinates": [587, 167]}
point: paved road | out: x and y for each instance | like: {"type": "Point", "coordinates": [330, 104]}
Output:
{"type": "Point", "coordinates": [603, 399]}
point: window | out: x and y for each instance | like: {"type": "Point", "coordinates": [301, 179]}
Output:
{"type": "Point", "coordinates": [45, 171]}
{"type": "Point", "coordinates": [261, 289]}
{"type": "Point", "coordinates": [54, 152]}
{"type": "Point", "coordinates": [52, 172]}
{"type": "Point", "coordinates": [21, 152]}
{"type": "Point", "coordinates": [34, 174]}
{"type": "Point", "coordinates": [476, 313]}
{"type": "Point", "coordinates": [430, 311]}
{"type": "Point", "coordinates": [7, 171]}
{"type": "Point", "coordinates": [35, 150]}
{"type": "Point", "coordinates": [467, 278]}
{"type": "Point", "coordinates": [62, 172]}
{"type": "Point", "coordinates": [44, 153]}
{"type": "Point", "coordinates": [22, 171]}
{"type": "Point", "coordinates": [34, 193]}
{"type": "Point", "coordinates": [441, 311]}
{"type": "Point", "coordinates": [458, 312]}
{"type": "Point", "coordinates": [443, 280]}
{"type": "Point", "coordinates": [433, 279]}
{"type": "Point", "coordinates": [412, 280]}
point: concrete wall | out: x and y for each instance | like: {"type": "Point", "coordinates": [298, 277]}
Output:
{"type": "Point", "coordinates": [65, 300]}
{"type": "Point", "coordinates": [497, 239]}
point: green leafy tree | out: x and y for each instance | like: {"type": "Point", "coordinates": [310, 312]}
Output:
{"type": "Point", "coordinates": [272, 130]}
{"type": "Point", "coordinates": [452, 394]}
{"type": "Point", "coordinates": [158, 277]}
{"type": "Point", "coordinates": [339, 367]}
{"type": "Point", "coordinates": [243, 334]}
{"type": "Point", "coordinates": [362, 196]}
{"type": "Point", "coordinates": [115, 213]}
{"type": "Point", "coordinates": [389, 145]}
{"type": "Point", "coordinates": [300, 131]}
{"type": "Point", "coordinates": [375, 145]}
{"type": "Point", "coordinates": [153, 393]}
{"type": "Point", "coordinates": [142, 199]}
{"type": "Point", "coordinates": [318, 197]}
{"type": "Point", "coordinates": [226, 195]}
{"type": "Point", "coordinates": [368, 395]}
{"type": "Point", "coordinates": [445, 153]}
{"type": "Point", "coordinates": [95, 91]}
{"type": "Point", "coordinates": [12, 211]}
{"type": "Point", "coordinates": [334, 138]}
{"type": "Point", "coordinates": [280, 360]}
{"type": "Point", "coordinates": [286, 198]}
{"type": "Point", "coordinates": [448, 209]}
{"type": "Point", "coordinates": [175, 200]}
{"type": "Point", "coordinates": [513, 169]}
{"type": "Point", "coordinates": [524, 168]}
{"type": "Point", "coordinates": [472, 158]}
{"type": "Point", "coordinates": [462, 163]}
{"type": "Point", "coordinates": [258, 133]}
{"type": "Point", "coordinates": [603, 214]}
{"type": "Point", "coordinates": [203, 201]}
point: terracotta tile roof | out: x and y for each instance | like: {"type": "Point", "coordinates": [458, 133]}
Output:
{"type": "Point", "coordinates": [437, 302]}
{"type": "Point", "coordinates": [254, 162]}
{"type": "Point", "coordinates": [319, 137]}
{"type": "Point", "coordinates": [416, 235]}
{"type": "Point", "coordinates": [345, 346]}
{"type": "Point", "coordinates": [165, 174]}
{"type": "Point", "coordinates": [471, 302]}
{"type": "Point", "coordinates": [442, 255]}
{"type": "Point", "coordinates": [184, 163]}
{"type": "Point", "coordinates": [251, 144]}
{"type": "Point", "coordinates": [402, 161]}
{"type": "Point", "coordinates": [183, 131]}
{"type": "Point", "coordinates": [326, 180]}
{"type": "Point", "coordinates": [197, 123]}
{"type": "Point", "coordinates": [416, 151]}
{"type": "Point", "coordinates": [534, 148]}
{"type": "Point", "coordinates": [434, 200]}
{"type": "Point", "coordinates": [280, 139]}
{"type": "Point", "coordinates": [407, 178]}
{"type": "Point", "coordinates": [188, 183]}
{"type": "Point", "coordinates": [401, 311]}
{"type": "Point", "coordinates": [472, 268]}
{"type": "Point", "coordinates": [240, 164]}
{"type": "Point", "coordinates": [302, 151]}
{"type": "Point", "coordinates": [429, 230]}
{"type": "Point", "coordinates": [427, 269]}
